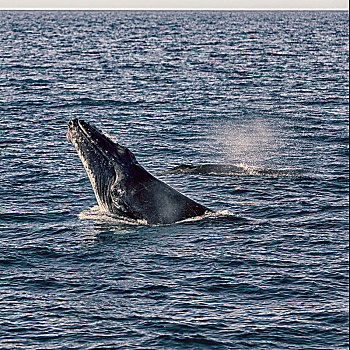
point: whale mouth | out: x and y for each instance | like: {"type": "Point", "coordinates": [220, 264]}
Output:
{"type": "Point", "coordinates": [94, 150]}
{"type": "Point", "coordinates": [79, 131]}
{"type": "Point", "coordinates": [113, 152]}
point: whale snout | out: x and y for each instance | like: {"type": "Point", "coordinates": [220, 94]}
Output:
{"type": "Point", "coordinates": [75, 126]}
{"type": "Point", "coordinates": [73, 122]}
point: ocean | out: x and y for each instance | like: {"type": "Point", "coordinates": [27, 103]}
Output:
{"type": "Point", "coordinates": [256, 89]}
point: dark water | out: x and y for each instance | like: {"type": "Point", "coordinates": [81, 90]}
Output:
{"type": "Point", "coordinates": [255, 89]}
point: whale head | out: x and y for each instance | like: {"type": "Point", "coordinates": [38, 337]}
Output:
{"type": "Point", "coordinates": [106, 163]}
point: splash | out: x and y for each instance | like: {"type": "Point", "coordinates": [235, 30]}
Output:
{"type": "Point", "coordinates": [97, 215]}
{"type": "Point", "coordinates": [100, 217]}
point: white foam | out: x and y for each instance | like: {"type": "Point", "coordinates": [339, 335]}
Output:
{"type": "Point", "coordinates": [99, 216]}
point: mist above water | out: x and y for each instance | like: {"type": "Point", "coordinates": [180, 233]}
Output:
{"type": "Point", "coordinates": [251, 142]}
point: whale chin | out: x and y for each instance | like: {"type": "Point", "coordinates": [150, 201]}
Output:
{"type": "Point", "coordinates": [122, 186]}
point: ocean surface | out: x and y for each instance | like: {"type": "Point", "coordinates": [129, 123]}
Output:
{"type": "Point", "coordinates": [259, 90]}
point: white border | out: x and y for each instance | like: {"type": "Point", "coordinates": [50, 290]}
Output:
{"type": "Point", "coordinates": [169, 9]}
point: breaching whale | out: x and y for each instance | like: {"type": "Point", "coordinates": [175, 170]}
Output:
{"type": "Point", "coordinates": [122, 186]}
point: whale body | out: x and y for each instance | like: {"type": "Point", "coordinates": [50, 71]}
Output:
{"type": "Point", "coordinates": [233, 169]}
{"type": "Point", "coordinates": [122, 186]}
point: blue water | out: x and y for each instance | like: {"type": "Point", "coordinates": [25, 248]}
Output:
{"type": "Point", "coordinates": [256, 89]}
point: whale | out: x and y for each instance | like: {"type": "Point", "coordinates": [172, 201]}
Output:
{"type": "Point", "coordinates": [232, 169]}
{"type": "Point", "coordinates": [122, 186]}
{"type": "Point", "coordinates": [214, 169]}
